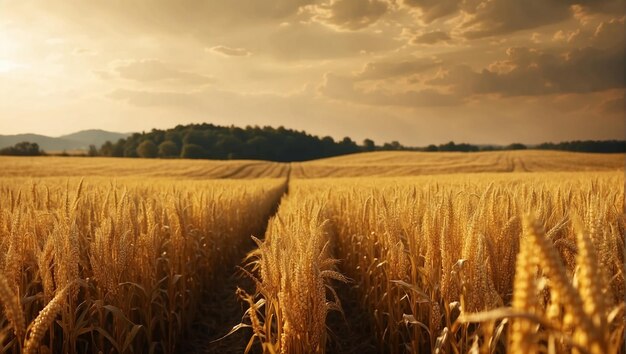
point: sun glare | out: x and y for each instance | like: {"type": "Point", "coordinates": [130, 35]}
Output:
{"type": "Point", "coordinates": [7, 65]}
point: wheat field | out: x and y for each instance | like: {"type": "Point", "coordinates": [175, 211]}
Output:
{"type": "Point", "coordinates": [407, 163]}
{"type": "Point", "coordinates": [500, 252]}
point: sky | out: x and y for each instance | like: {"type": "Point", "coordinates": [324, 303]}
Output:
{"type": "Point", "coordinates": [416, 71]}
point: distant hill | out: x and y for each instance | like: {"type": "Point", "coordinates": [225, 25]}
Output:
{"type": "Point", "coordinates": [94, 136]}
{"type": "Point", "coordinates": [75, 141]}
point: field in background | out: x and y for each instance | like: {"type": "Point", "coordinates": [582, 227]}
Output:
{"type": "Point", "coordinates": [407, 252]}
{"type": "Point", "coordinates": [46, 166]}
{"type": "Point", "coordinates": [407, 163]}
{"type": "Point", "coordinates": [399, 163]}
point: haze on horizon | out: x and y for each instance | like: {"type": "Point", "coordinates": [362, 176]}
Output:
{"type": "Point", "coordinates": [416, 71]}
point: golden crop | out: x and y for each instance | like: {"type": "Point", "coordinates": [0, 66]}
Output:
{"type": "Point", "coordinates": [123, 264]}
{"type": "Point", "coordinates": [433, 260]}
{"type": "Point", "coordinates": [484, 262]}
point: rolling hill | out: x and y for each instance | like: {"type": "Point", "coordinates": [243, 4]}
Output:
{"type": "Point", "coordinates": [75, 141]}
{"type": "Point", "coordinates": [408, 163]}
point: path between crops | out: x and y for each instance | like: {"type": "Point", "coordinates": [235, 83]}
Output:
{"type": "Point", "coordinates": [222, 309]}
{"type": "Point", "coordinates": [350, 332]}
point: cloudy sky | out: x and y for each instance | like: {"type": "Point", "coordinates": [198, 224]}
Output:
{"type": "Point", "coordinates": [417, 71]}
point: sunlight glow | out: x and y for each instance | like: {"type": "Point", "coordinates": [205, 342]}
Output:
{"type": "Point", "coordinates": [7, 65]}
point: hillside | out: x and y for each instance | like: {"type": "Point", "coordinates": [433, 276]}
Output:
{"type": "Point", "coordinates": [95, 137]}
{"type": "Point", "coordinates": [45, 142]}
{"type": "Point", "coordinates": [75, 141]}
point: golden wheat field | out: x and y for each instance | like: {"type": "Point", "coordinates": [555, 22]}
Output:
{"type": "Point", "coordinates": [395, 252]}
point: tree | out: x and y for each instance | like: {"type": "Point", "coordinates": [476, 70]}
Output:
{"type": "Point", "coordinates": [228, 146]}
{"type": "Point", "coordinates": [516, 146]}
{"type": "Point", "coordinates": [192, 151]}
{"type": "Point", "coordinates": [369, 145]}
{"type": "Point", "coordinates": [107, 149]}
{"type": "Point", "coordinates": [147, 149]}
{"type": "Point", "coordinates": [168, 149]}
{"type": "Point", "coordinates": [24, 148]}
{"type": "Point", "coordinates": [93, 151]}
{"type": "Point", "coordinates": [119, 148]}
{"type": "Point", "coordinates": [431, 148]}
{"type": "Point", "coordinates": [450, 146]}
{"type": "Point", "coordinates": [257, 148]}
{"type": "Point", "coordinates": [193, 136]}
{"type": "Point", "coordinates": [395, 145]}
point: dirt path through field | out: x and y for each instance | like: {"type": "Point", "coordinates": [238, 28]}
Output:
{"type": "Point", "coordinates": [222, 309]}
{"type": "Point", "coordinates": [350, 333]}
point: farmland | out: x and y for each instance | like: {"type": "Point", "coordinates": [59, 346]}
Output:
{"type": "Point", "coordinates": [494, 252]}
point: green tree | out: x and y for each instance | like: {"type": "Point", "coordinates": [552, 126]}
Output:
{"type": "Point", "coordinates": [107, 149]}
{"type": "Point", "coordinates": [93, 151]}
{"type": "Point", "coordinates": [119, 148]}
{"type": "Point", "coordinates": [516, 146]}
{"type": "Point", "coordinates": [168, 149]}
{"type": "Point", "coordinates": [192, 151]}
{"type": "Point", "coordinates": [24, 148]}
{"type": "Point", "coordinates": [369, 145]}
{"type": "Point", "coordinates": [257, 148]}
{"type": "Point", "coordinates": [147, 149]}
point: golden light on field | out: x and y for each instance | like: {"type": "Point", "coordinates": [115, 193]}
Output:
{"type": "Point", "coordinates": [376, 252]}
{"type": "Point", "coordinates": [453, 231]}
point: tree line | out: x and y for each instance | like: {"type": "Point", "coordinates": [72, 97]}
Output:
{"type": "Point", "coordinates": [208, 141]}
{"type": "Point", "coordinates": [24, 148]}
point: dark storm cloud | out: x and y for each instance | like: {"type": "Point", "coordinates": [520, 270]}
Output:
{"type": "Point", "coordinates": [533, 72]}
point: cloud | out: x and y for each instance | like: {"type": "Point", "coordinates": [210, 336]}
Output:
{"type": "Point", "coordinates": [380, 70]}
{"type": "Point", "coordinates": [453, 88]}
{"type": "Point", "coordinates": [83, 51]}
{"type": "Point", "coordinates": [194, 17]}
{"type": "Point", "coordinates": [498, 17]}
{"type": "Point", "coordinates": [530, 72]}
{"type": "Point", "coordinates": [230, 52]}
{"type": "Point", "coordinates": [433, 37]}
{"type": "Point", "coordinates": [343, 88]}
{"type": "Point", "coordinates": [610, 33]}
{"type": "Point", "coordinates": [156, 71]}
{"type": "Point", "coordinates": [431, 10]}
{"type": "Point", "coordinates": [318, 42]}
{"type": "Point", "coordinates": [613, 105]}
{"type": "Point", "coordinates": [144, 98]}
{"type": "Point", "coordinates": [351, 14]}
